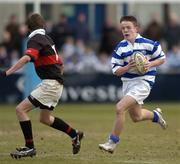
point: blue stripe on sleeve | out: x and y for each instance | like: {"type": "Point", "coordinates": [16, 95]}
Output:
{"type": "Point", "coordinates": [115, 55]}
{"type": "Point", "coordinates": [114, 65]}
{"type": "Point", "coordinates": [156, 44]}
{"type": "Point", "coordinates": [126, 54]}
{"type": "Point", "coordinates": [159, 56]}
{"type": "Point", "coordinates": [143, 40]}
{"type": "Point", "coordinates": [121, 44]}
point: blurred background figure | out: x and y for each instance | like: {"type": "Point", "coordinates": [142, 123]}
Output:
{"type": "Point", "coordinates": [4, 59]}
{"type": "Point", "coordinates": [61, 31]}
{"type": "Point", "coordinates": [68, 48]}
{"type": "Point", "coordinates": [88, 62]}
{"type": "Point", "coordinates": [23, 31]}
{"type": "Point", "coordinates": [49, 26]}
{"type": "Point", "coordinates": [154, 29]}
{"type": "Point", "coordinates": [81, 30]}
{"type": "Point", "coordinates": [6, 41]}
{"type": "Point", "coordinates": [14, 57]}
{"type": "Point", "coordinates": [109, 38]}
{"type": "Point", "coordinates": [73, 62]}
{"type": "Point", "coordinates": [172, 31]}
{"type": "Point", "coordinates": [172, 64]}
{"type": "Point", "coordinates": [13, 28]}
{"type": "Point", "coordinates": [104, 63]}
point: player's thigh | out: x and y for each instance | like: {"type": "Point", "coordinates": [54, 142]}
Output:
{"type": "Point", "coordinates": [125, 103]}
{"type": "Point", "coordinates": [135, 111]}
{"type": "Point", "coordinates": [24, 106]}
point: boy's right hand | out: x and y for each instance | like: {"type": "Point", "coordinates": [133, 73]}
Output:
{"type": "Point", "coordinates": [131, 63]}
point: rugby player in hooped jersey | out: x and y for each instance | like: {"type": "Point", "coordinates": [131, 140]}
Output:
{"type": "Point", "coordinates": [49, 67]}
{"type": "Point", "coordinates": [136, 87]}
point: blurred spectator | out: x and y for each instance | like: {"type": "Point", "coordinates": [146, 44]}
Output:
{"type": "Point", "coordinates": [68, 49]}
{"type": "Point", "coordinates": [6, 41]}
{"type": "Point", "coordinates": [172, 31]}
{"type": "Point", "coordinates": [80, 48]}
{"type": "Point", "coordinates": [109, 37]}
{"type": "Point", "coordinates": [4, 59]}
{"type": "Point", "coordinates": [104, 63]}
{"type": "Point", "coordinates": [13, 28]}
{"type": "Point", "coordinates": [172, 64]}
{"type": "Point", "coordinates": [23, 31]}
{"type": "Point", "coordinates": [14, 57]}
{"type": "Point", "coordinates": [61, 31]}
{"type": "Point", "coordinates": [73, 64]}
{"type": "Point", "coordinates": [154, 30]}
{"type": "Point", "coordinates": [88, 62]}
{"type": "Point", "coordinates": [49, 26]}
{"type": "Point", "coordinates": [74, 45]}
{"type": "Point", "coordinates": [81, 30]}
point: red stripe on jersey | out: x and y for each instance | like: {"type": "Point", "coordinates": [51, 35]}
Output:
{"type": "Point", "coordinates": [32, 52]}
{"type": "Point", "coordinates": [47, 60]}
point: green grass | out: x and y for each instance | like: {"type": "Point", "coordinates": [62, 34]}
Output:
{"type": "Point", "coordinates": [141, 143]}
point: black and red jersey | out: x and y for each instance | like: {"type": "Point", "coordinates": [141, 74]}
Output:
{"type": "Point", "coordinates": [48, 64]}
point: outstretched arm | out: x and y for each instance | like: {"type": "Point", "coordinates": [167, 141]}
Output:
{"type": "Point", "coordinates": [21, 62]}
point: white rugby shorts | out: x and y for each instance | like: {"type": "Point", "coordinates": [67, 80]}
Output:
{"type": "Point", "coordinates": [137, 89]}
{"type": "Point", "coordinates": [48, 93]}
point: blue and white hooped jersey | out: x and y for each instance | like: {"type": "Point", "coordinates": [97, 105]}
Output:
{"type": "Point", "coordinates": [124, 51]}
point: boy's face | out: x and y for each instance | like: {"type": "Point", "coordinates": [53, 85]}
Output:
{"type": "Point", "coordinates": [129, 30]}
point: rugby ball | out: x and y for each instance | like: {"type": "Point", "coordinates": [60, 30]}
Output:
{"type": "Point", "coordinates": [140, 60]}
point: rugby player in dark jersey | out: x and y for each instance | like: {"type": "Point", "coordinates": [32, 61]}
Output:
{"type": "Point", "coordinates": [49, 67]}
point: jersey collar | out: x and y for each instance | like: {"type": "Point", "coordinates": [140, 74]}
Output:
{"type": "Point", "coordinates": [38, 31]}
{"type": "Point", "coordinates": [138, 37]}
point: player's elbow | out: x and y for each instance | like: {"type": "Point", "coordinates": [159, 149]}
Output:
{"type": "Point", "coordinates": [163, 61]}
{"type": "Point", "coordinates": [116, 73]}
{"type": "Point", "coordinates": [119, 73]}
{"type": "Point", "coordinates": [26, 58]}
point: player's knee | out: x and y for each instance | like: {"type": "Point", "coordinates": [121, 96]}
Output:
{"type": "Point", "coordinates": [19, 110]}
{"type": "Point", "coordinates": [119, 110]}
{"type": "Point", "coordinates": [136, 118]}
{"type": "Point", "coordinates": [44, 121]}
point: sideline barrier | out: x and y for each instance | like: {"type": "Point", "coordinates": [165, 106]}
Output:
{"type": "Point", "coordinates": [108, 88]}
{"type": "Point", "coordinates": [11, 88]}
{"type": "Point", "coordinates": [91, 88]}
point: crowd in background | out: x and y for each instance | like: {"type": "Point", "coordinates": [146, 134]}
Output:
{"type": "Point", "coordinates": [82, 54]}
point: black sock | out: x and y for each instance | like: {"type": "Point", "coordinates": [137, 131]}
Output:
{"type": "Point", "coordinates": [64, 127]}
{"type": "Point", "coordinates": [27, 131]}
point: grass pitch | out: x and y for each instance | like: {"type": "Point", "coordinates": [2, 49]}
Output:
{"type": "Point", "coordinates": [141, 143]}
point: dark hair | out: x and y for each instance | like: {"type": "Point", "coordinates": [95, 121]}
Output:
{"type": "Point", "coordinates": [35, 21]}
{"type": "Point", "coordinates": [130, 19]}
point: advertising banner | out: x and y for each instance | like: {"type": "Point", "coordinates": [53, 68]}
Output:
{"type": "Point", "coordinates": [89, 88]}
